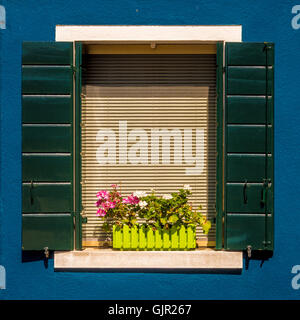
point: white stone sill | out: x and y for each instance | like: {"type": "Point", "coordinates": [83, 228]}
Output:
{"type": "Point", "coordinates": [109, 259]}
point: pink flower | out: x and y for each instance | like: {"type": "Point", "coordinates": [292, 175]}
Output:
{"type": "Point", "coordinates": [131, 200]}
{"type": "Point", "coordinates": [112, 204]}
{"type": "Point", "coordinates": [114, 186]}
{"type": "Point", "coordinates": [101, 212]}
{"type": "Point", "coordinates": [105, 205]}
{"type": "Point", "coordinates": [98, 203]}
{"type": "Point", "coordinates": [103, 194]}
{"type": "Point", "coordinates": [108, 204]}
{"type": "Point", "coordinates": [107, 200]}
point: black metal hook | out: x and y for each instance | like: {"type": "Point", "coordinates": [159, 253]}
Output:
{"type": "Point", "coordinates": [245, 192]}
{"type": "Point", "coordinates": [264, 191]}
{"type": "Point", "coordinates": [31, 196]}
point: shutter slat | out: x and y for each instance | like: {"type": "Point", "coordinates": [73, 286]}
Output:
{"type": "Point", "coordinates": [47, 168]}
{"type": "Point", "coordinates": [248, 80]}
{"type": "Point", "coordinates": [47, 53]}
{"type": "Point", "coordinates": [246, 110]}
{"type": "Point", "coordinates": [47, 80]}
{"type": "Point", "coordinates": [48, 197]}
{"type": "Point", "coordinates": [44, 109]}
{"type": "Point", "coordinates": [53, 231]}
{"type": "Point", "coordinates": [47, 138]}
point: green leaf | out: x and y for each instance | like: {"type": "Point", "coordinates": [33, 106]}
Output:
{"type": "Point", "coordinates": [206, 227]}
{"type": "Point", "coordinates": [163, 220]}
{"type": "Point", "coordinates": [106, 227]}
{"type": "Point", "coordinates": [173, 219]}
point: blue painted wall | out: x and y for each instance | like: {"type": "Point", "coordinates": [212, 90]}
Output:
{"type": "Point", "coordinates": [268, 20]}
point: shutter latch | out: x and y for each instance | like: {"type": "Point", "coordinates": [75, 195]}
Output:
{"type": "Point", "coordinates": [31, 196]}
{"type": "Point", "coordinates": [245, 192]}
{"type": "Point", "coordinates": [264, 191]}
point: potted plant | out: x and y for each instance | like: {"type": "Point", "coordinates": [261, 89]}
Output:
{"type": "Point", "coordinates": [168, 222]}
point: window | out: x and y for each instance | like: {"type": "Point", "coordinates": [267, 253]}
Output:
{"type": "Point", "coordinates": [61, 103]}
{"type": "Point", "coordinates": [148, 122]}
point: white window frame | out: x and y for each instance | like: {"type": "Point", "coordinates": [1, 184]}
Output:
{"type": "Point", "coordinates": [174, 34]}
{"type": "Point", "coordinates": [108, 258]}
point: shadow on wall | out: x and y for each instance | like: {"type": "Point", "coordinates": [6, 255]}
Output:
{"type": "Point", "coordinates": [31, 256]}
{"type": "Point", "coordinates": [257, 255]}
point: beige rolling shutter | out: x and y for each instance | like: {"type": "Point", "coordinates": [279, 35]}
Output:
{"type": "Point", "coordinates": [146, 92]}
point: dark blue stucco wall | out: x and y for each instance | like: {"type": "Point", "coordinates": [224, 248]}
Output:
{"type": "Point", "coordinates": [266, 20]}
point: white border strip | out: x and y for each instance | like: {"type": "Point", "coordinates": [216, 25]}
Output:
{"type": "Point", "coordinates": [111, 259]}
{"type": "Point", "coordinates": [148, 33]}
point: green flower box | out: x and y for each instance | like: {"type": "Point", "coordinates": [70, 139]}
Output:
{"type": "Point", "coordinates": [144, 238]}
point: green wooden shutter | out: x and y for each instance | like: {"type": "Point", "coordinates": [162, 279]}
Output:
{"type": "Point", "coordinates": [47, 146]}
{"type": "Point", "coordinates": [249, 151]}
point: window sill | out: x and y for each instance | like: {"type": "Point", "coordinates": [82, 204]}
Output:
{"type": "Point", "coordinates": [108, 259]}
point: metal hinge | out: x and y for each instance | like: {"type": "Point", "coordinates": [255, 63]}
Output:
{"type": "Point", "coordinates": [267, 242]}
{"type": "Point", "coordinates": [74, 69]}
{"type": "Point", "coordinates": [46, 252]}
{"type": "Point", "coordinates": [84, 219]}
{"type": "Point", "coordinates": [267, 46]}
{"type": "Point", "coordinates": [269, 183]}
{"type": "Point", "coordinates": [249, 251]}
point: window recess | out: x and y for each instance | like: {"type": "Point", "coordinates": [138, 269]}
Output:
{"type": "Point", "coordinates": [172, 92]}
{"type": "Point", "coordinates": [234, 105]}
